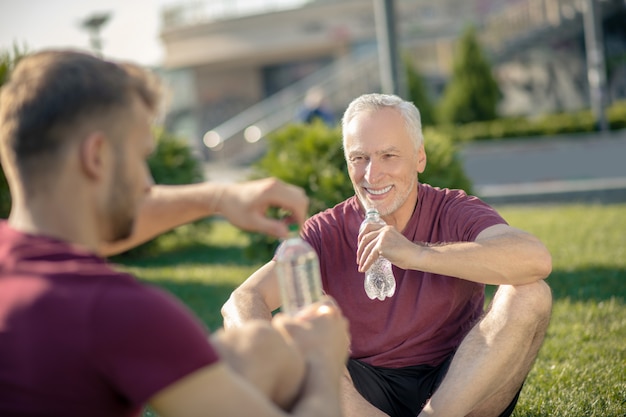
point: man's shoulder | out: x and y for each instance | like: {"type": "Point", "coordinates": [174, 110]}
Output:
{"type": "Point", "coordinates": [446, 197]}
{"type": "Point", "coordinates": [333, 223]}
{"type": "Point", "coordinates": [59, 266]}
{"type": "Point", "coordinates": [46, 255]}
{"type": "Point", "coordinates": [432, 191]}
{"type": "Point", "coordinates": [336, 214]}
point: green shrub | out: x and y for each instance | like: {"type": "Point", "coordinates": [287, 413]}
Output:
{"type": "Point", "coordinates": [173, 161]}
{"type": "Point", "coordinates": [546, 125]}
{"type": "Point", "coordinates": [616, 115]}
{"type": "Point", "coordinates": [443, 168]}
{"type": "Point", "coordinates": [8, 60]}
{"type": "Point", "coordinates": [311, 156]}
{"type": "Point", "coordinates": [307, 155]}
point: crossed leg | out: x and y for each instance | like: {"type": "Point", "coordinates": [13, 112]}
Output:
{"type": "Point", "coordinates": [491, 363]}
{"type": "Point", "coordinates": [495, 357]}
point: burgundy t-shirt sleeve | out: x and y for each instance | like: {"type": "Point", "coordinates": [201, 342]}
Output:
{"type": "Point", "coordinates": [467, 216]}
{"type": "Point", "coordinates": [145, 339]}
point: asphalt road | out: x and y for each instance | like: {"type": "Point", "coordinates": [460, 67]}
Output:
{"type": "Point", "coordinates": [581, 167]}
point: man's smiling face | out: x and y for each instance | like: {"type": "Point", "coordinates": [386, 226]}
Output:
{"type": "Point", "coordinates": [383, 161]}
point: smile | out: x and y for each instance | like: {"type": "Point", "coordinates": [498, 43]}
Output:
{"type": "Point", "coordinates": [379, 192]}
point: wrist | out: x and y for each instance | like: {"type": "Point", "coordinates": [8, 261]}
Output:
{"type": "Point", "coordinates": [216, 198]}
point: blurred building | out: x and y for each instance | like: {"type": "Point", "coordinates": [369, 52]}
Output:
{"type": "Point", "coordinates": [234, 68]}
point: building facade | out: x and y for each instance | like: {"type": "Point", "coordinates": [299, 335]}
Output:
{"type": "Point", "coordinates": [221, 59]}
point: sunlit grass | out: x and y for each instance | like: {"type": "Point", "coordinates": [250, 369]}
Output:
{"type": "Point", "coordinates": [581, 369]}
{"type": "Point", "coordinates": [201, 264]}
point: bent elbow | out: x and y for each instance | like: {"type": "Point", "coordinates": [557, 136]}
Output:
{"type": "Point", "coordinates": [227, 316]}
{"type": "Point", "coordinates": [232, 313]}
{"type": "Point", "coordinates": [537, 267]}
{"type": "Point", "coordinates": [244, 305]}
{"type": "Point", "coordinates": [543, 266]}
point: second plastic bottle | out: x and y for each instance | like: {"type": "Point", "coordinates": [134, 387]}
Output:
{"type": "Point", "coordinates": [298, 271]}
{"type": "Point", "coordinates": [379, 280]}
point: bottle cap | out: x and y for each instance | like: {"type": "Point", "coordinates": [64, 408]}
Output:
{"type": "Point", "coordinates": [294, 229]}
{"type": "Point", "coordinates": [371, 210]}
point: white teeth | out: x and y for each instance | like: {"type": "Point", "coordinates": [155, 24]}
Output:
{"type": "Point", "coordinates": [379, 192]}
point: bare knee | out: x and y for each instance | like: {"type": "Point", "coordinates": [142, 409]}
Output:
{"type": "Point", "coordinates": [537, 298]}
{"type": "Point", "coordinates": [530, 303]}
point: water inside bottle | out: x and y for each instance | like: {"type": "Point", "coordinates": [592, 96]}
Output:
{"type": "Point", "coordinates": [299, 275]}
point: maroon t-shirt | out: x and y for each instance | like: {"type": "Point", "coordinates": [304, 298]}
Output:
{"type": "Point", "coordinates": [80, 339]}
{"type": "Point", "coordinates": [429, 314]}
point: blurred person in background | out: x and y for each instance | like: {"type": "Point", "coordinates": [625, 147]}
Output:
{"type": "Point", "coordinates": [315, 107]}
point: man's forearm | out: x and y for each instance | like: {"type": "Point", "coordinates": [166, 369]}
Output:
{"type": "Point", "coordinates": [167, 207]}
{"type": "Point", "coordinates": [513, 259]}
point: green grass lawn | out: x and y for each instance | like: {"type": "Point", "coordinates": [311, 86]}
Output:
{"type": "Point", "coordinates": [581, 369]}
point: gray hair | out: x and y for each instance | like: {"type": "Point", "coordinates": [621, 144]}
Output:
{"type": "Point", "coordinates": [375, 101]}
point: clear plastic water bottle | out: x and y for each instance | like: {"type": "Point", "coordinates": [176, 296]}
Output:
{"type": "Point", "coordinates": [298, 271]}
{"type": "Point", "coordinates": [379, 280]}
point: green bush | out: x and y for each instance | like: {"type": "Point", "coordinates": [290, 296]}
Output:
{"type": "Point", "coordinates": [443, 168]}
{"type": "Point", "coordinates": [8, 60]}
{"type": "Point", "coordinates": [173, 161]}
{"type": "Point", "coordinates": [307, 155]}
{"type": "Point", "coordinates": [546, 125]}
{"type": "Point", "coordinates": [311, 156]}
{"type": "Point", "coordinates": [616, 115]}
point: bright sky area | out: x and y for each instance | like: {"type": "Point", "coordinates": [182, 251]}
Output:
{"type": "Point", "coordinates": [132, 33]}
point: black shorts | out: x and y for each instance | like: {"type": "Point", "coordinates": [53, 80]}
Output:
{"type": "Point", "coordinates": [404, 391]}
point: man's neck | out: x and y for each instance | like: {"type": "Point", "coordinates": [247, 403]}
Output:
{"type": "Point", "coordinates": [63, 223]}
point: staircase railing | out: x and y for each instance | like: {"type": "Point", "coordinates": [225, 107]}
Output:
{"type": "Point", "coordinates": [341, 81]}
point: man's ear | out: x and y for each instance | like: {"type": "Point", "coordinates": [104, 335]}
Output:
{"type": "Point", "coordinates": [421, 159]}
{"type": "Point", "coordinates": [93, 153]}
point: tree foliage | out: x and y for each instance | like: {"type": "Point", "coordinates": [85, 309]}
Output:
{"type": "Point", "coordinates": [418, 93]}
{"type": "Point", "coordinates": [472, 94]}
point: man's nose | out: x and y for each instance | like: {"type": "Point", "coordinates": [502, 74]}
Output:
{"type": "Point", "coordinates": [372, 172]}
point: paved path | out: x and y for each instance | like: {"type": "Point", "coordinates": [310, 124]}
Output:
{"type": "Point", "coordinates": [579, 167]}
